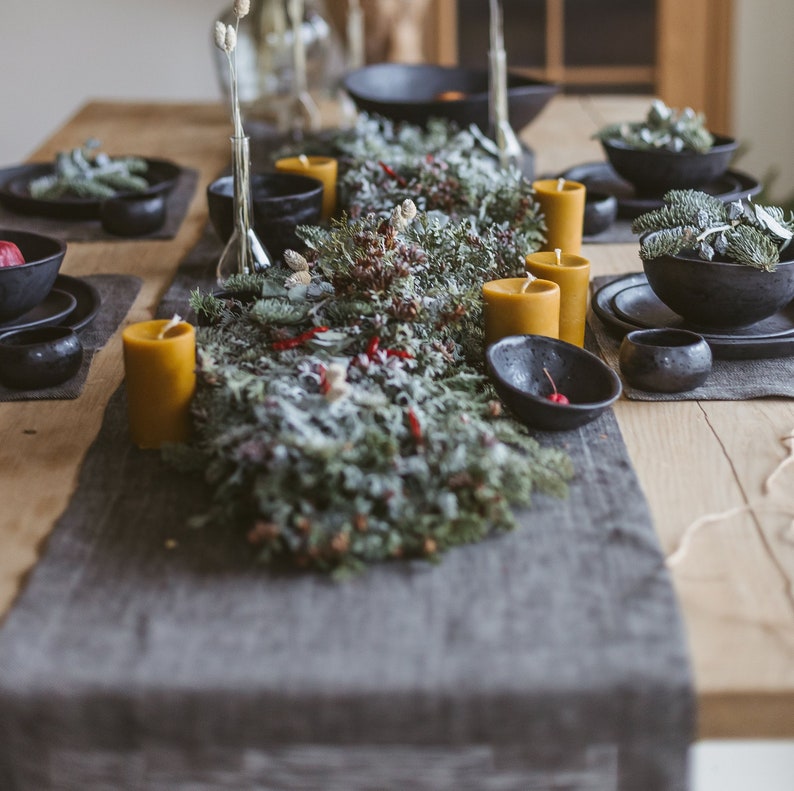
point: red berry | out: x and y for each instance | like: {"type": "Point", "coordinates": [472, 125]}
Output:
{"type": "Point", "coordinates": [10, 254]}
{"type": "Point", "coordinates": [556, 397]}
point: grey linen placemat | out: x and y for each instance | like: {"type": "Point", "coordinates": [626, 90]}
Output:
{"type": "Point", "coordinates": [117, 293]}
{"type": "Point", "coordinates": [146, 655]}
{"type": "Point", "coordinates": [91, 230]}
{"type": "Point", "coordinates": [729, 380]}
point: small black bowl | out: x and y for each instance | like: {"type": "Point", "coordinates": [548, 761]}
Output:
{"type": "Point", "coordinates": [22, 287]}
{"type": "Point", "coordinates": [600, 211]}
{"type": "Point", "coordinates": [282, 202]}
{"type": "Point", "coordinates": [655, 171]}
{"type": "Point", "coordinates": [39, 357]}
{"type": "Point", "coordinates": [415, 93]}
{"type": "Point", "coordinates": [133, 214]}
{"type": "Point", "coordinates": [516, 365]}
{"type": "Point", "coordinates": [665, 360]}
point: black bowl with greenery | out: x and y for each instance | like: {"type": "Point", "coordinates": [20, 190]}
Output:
{"type": "Point", "coordinates": [656, 170]}
{"type": "Point", "coordinates": [527, 369]}
{"type": "Point", "coordinates": [415, 93]}
{"type": "Point", "coordinates": [23, 286]}
{"type": "Point", "coordinates": [718, 266]}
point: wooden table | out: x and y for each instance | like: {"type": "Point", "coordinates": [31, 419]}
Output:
{"type": "Point", "coordinates": [736, 580]}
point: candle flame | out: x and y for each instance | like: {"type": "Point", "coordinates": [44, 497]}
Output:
{"type": "Point", "coordinates": [172, 322]}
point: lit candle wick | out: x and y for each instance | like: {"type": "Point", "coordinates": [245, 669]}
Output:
{"type": "Point", "coordinates": [169, 326]}
{"type": "Point", "coordinates": [560, 184]}
{"type": "Point", "coordinates": [526, 284]}
{"type": "Point", "coordinates": [558, 253]}
{"type": "Point", "coordinates": [304, 160]}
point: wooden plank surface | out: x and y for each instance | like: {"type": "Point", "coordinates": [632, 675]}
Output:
{"type": "Point", "coordinates": [693, 458]}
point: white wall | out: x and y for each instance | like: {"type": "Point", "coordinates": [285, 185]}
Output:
{"type": "Point", "coordinates": [56, 54]}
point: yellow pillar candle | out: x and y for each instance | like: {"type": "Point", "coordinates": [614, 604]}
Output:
{"type": "Point", "coordinates": [563, 207]}
{"type": "Point", "coordinates": [160, 368]}
{"type": "Point", "coordinates": [572, 274]}
{"type": "Point", "coordinates": [514, 306]}
{"type": "Point", "coordinates": [322, 168]}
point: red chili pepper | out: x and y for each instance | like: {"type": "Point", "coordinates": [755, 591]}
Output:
{"type": "Point", "coordinates": [416, 426]}
{"type": "Point", "coordinates": [298, 340]}
{"type": "Point", "coordinates": [399, 353]}
{"type": "Point", "coordinates": [372, 346]}
{"type": "Point", "coordinates": [392, 173]}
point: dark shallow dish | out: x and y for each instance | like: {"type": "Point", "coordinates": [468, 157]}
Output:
{"type": "Point", "coordinates": [54, 308]}
{"type": "Point", "coordinates": [22, 287]}
{"type": "Point", "coordinates": [516, 364]}
{"type": "Point", "coordinates": [665, 360]}
{"type": "Point", "coordinates": [282, 201]}
{"type": "Point", "coordinates": [15, 194]}
{"type": "Point", "coordinates": [601, 177]}
{"type": "Point", "coordinates": [718, 294]}
{"type": "Point", "coordinates": [413, 93]}
{"type": "Point", "coordinates": [655, 171]}
{"type": "Point", "coordinates": [39, 357]}
{"type": "Point", "coordinates": [600, 211]}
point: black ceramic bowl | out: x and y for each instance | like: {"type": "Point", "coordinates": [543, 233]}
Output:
{"type": "Point", "coordinates": [656, 171]}
{"type": "Point", "coordinates": [416, 92]}
{"type": "Point", "coordinates": [282, 201]}
{"type": "Point", "coordinates": [132, 214]}
{"type": "Point", "coordinates": [39, 357]}
{"type": "Point", "coordinates": [665, 360]}
{"type": "Point", "coordinates": [719, 294]}
{"type": "Point", "coordinates": [516, 365]}
{"type": "Point", "coordinates": [22, 287]}
{"type": "Point", "coordinates": [600, 211]}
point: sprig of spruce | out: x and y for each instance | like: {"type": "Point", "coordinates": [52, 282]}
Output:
{"type": "Point", "coordinates": [742, 231]}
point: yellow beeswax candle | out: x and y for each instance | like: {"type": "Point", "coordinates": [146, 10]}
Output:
{"type": "Point", "coordinates": [563, 207]}
{"type": "Point", "coordinates": [161, 378]}
{"type": "Point", "coordinates": [514, 307]}
{"type": "Point", "coordinates": [572, 275]}
{"type": "Point", "coordinates": [322, 168]}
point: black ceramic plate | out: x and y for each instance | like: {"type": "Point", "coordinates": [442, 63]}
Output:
{"type": "Point", "coordinates": [55, 306]}
{"type": "Point", "coordinates": [15, 193]}
{"type": "Point", "coordinates": [600, 177]}
{"type": "Point", "coordinates": [88, 301]}
{"type": "Point", "coordinates": [772, 337]}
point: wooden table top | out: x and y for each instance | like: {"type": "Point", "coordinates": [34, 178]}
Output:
{"type": "Point", "coordinates": [735, 582]}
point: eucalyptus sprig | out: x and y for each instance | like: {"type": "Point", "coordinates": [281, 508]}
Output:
{"type": "Point", "coordinates": [663, 128]}
{"type": "Point", "coordinates": [742, 231]}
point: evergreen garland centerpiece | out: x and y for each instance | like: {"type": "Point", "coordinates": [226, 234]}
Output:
{"type": "Point", "coordinates": [342, 414]}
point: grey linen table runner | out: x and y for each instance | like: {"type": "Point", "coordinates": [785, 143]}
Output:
{"type": "Point", "coordinates": [143, 654]}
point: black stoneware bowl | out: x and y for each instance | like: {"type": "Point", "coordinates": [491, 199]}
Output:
{"type": "Point", "coordinates": [132, 214]}
{"type": "Point", "coordinates": [22, 287]}
{"type": "Point", "coordinates": [656, 171]}
{"type": "Point", "coordinates": [600, 211]}
{"type": "Point", "coordinates": [516, 366]}
{"type": "Point", "coordinates": [719, 294]}
{"type": "Point", "coordinates": [39, 357]}
{"type": "Point", "coordinates": [282, 201]}
{"type": "Point", "coordinates": [665, 360]}
{"type": "Point", "coordinates": [417, 92]}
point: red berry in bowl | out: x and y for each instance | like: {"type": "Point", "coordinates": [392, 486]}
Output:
{"type": "Point", "coordinates": [10, 254]}
{"type": "Point", "coordinates": [556, 396]}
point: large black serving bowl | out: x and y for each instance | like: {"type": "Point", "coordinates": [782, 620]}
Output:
{"type": "Point", "coordinates": [516, 365]}
{"type": "Point", "coordinates": [719, 295]}
{"type": "Point", "coordinates": [414, 93]}
{"type": "Point", "coordinates": [22, 287]}
{"type": "Point", "coordinates": [655, 171]}
{"type": "Point", "coordinates": [282, 201]}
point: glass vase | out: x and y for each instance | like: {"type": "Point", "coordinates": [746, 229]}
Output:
{"type": "Point", "coordinates": [266, 62]}
{"type": "Point", "coordinates": [244, 254]}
